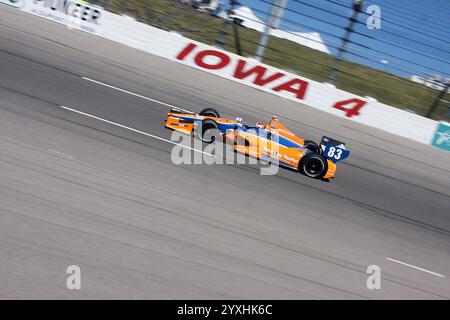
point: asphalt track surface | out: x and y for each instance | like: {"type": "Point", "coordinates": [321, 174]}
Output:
{"type": "Point", "coordinates": [75, 190]}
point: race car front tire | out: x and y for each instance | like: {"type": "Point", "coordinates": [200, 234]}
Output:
{"type": "Point", "coordinates": [210, 112]}
{"type": "Point", "coordinates": [208, 131]}
{"type": "Point", "coordinates": [313, 165]}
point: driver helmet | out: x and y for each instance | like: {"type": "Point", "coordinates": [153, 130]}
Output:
{"type": "Point", "coordinates": [260, 125]}
{"type": "Point", "coordinates": [239, 122]}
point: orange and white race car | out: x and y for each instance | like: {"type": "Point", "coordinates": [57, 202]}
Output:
{"type": "Point", "coordinates": [271, 142]}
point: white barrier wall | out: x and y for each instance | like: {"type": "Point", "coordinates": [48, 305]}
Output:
{"type": "Point", "coordinates": [312, 93]}
{"type": "Point", "coordinates": [249, 72]}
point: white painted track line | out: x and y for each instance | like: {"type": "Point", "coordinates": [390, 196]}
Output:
{"type": "Point", "coordinates": [134, 130]}
{"type": "Point", "coordinates": [127, 92]}
{"type": "Point", "coordinates": [414, 267]}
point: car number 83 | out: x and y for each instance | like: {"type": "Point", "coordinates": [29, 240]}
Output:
{"type": "Point", "coordinates": [335, 153]}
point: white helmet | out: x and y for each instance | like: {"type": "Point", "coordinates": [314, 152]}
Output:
{"type": "Point", "coordinates": [260, 125]}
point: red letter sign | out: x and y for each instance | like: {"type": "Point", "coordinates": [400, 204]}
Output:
{"type": "Point", "coordinates": [224, 59]}
{"type": "Point", "coordinates": [260, 72]}
{"type": "Point", "coordinates": [350, 112]}
{"type": "Point", "coordinates": [186, 51]}
{"type": "Point", "coordinates": [289, 86]}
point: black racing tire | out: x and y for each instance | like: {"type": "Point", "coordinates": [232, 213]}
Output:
{"type": "Point", "coordinates": [208, 124]}
{"type": "Point", "coordinates": [311, 145]}
{"type": "Point", "coordinates": [210, 112]}
{"type": "Point", "coordinates": [313, 165]}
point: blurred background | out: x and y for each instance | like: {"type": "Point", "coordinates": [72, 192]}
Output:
{"type": "Point", "coordinates": [395, 51]}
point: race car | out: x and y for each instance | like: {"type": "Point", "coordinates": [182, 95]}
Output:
{"type": "Point", "coordinates": [272, 142]}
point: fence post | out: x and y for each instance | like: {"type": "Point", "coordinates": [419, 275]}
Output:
{"type": "Point", "coordinates": [438, 98]}
{"type": "Point", "coordinates": [357, 5]}
{"type": "Point", "coordinates": [220, 41]}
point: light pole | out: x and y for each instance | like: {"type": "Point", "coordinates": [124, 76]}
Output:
{"type": "Point", "coordinates": [272, 22]}
{"type": "Point", "coordinates": [357, 5]}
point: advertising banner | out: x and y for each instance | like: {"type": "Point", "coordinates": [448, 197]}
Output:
{"type": "Point", "coordinates": [442, 136]}
{"type": "Point", "coordinates": [76, 14]}
{"type": "Point", "coordinates": [14, 3]}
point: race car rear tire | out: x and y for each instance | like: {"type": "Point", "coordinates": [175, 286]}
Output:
{"type": "Point", "coordinates": [210, 112]}
{"type": "Point", "coordinates": [211, 125]}
{"type": "Point", "coordinates": [311, 145]}
{"type": "Point", "coordinates": [313, 165]}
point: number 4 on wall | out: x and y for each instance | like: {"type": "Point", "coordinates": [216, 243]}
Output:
{"type": "Point", "coordinates": [352, 111]}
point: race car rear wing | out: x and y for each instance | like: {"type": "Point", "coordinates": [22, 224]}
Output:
{"type": "Point", "coordinates": [327, 140]}
{"type": "Point", "coordinates": [179, 110]}
{"type": "Point", "coordinates": [333, 150]}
